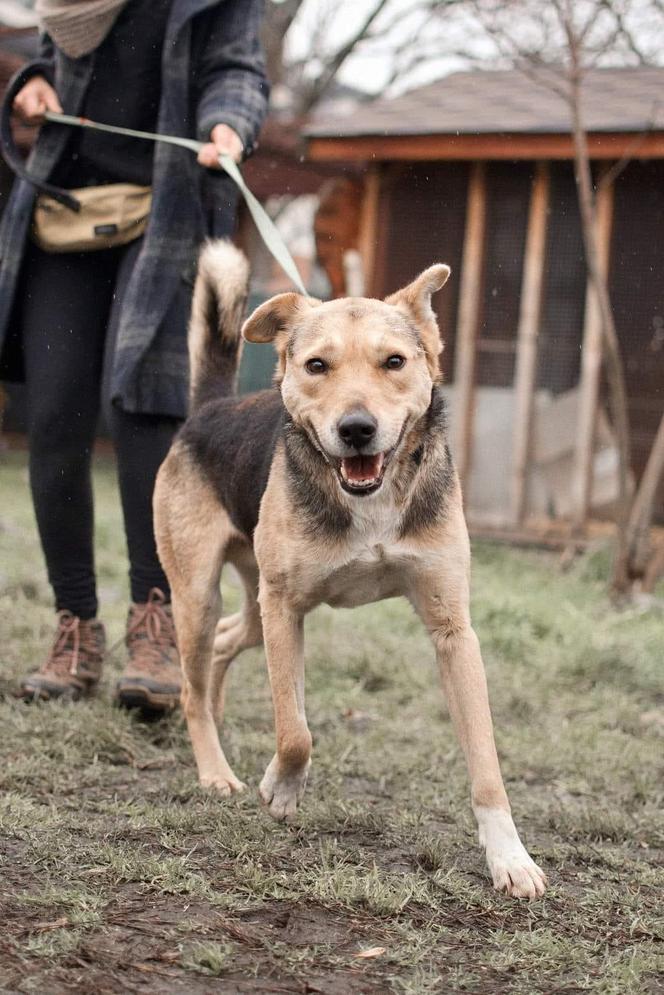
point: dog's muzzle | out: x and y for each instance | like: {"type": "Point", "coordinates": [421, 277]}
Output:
{"type": "Point", "coordinates": [362, 472]}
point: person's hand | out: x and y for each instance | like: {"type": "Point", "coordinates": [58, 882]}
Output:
{"type": "Point", "coordinates": [223, 141]}
{"type": "Point", "coordinates": [34, 98]}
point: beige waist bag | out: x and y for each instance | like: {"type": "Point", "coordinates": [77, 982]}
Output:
{"type": "Point", "coordinates": [110, 215]}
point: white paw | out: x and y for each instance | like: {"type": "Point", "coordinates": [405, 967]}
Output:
{"type": "Point", "coordinates": [223, 785]}
{"type": "Point", "coordinates": [517, 874]}
{"type": "Point", "coordinates": [512, 868]}
{"type": "Point", "coordinates": [281, 793]}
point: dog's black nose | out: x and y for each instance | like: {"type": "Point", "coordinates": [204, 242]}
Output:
{"type": "Point", "coordinates": [357, 429]}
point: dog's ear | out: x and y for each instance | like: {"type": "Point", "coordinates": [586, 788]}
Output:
{"type": "Point", "coordinates": [417, 295]}
{"type": "Point", "coordinates": [275, 316]}
{"type": "Point", "coordinates": [415, 300]}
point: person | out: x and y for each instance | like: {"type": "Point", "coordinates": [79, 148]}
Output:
{"type": "Point", "coordinates": [107, 328]}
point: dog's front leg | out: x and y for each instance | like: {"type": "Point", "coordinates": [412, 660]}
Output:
{"type": "Point", "coordinates": [286, 776]}
{"type": "Point", "coordinates": [443, 608]}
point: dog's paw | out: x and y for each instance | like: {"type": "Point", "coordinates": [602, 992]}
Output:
{"type": "Point", "coordinates": [513, 870]}
{"type": "Point", "coordinates": [517, 874]}
{"type": "Point", "coordinates": [281, 793]}
{"type": "Point", "coordinates": [223, 785]}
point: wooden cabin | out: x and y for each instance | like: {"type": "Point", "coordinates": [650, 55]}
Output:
{"type": "Point", "coordinates": [477, 170]}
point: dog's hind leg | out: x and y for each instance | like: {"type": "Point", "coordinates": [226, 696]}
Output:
{"type": "Point", "coordinates": [193, 533]}
{"type": "Point", "coordinates": [238, 632]}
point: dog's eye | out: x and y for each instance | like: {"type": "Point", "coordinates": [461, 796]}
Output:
{"type": "Point", "coordinates": [315, 366]}
{"type": "Point", "coordinates": [394, 362]}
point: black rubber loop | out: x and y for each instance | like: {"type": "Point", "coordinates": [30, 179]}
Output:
{"type": "Point", "coordinates": [10, 152]}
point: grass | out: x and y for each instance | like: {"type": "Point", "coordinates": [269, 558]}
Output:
{"type": "Point", "coordinates": [120, 875]}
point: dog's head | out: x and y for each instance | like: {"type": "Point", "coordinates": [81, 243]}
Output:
{"type": "Point", "coordinates": [356, 374]}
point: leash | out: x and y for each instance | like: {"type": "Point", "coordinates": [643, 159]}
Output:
{"type": "Point", "coordinates": [266, 227]}
{"type": "Point", "coordinates": [264, 223]}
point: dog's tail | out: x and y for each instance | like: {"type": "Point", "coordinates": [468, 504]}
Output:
{"type": "Point", "coordinates": [217, 310]}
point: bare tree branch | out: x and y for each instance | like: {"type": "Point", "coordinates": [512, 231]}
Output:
{"type": "Point", "coordinates": [623, 30]}
{"type": "Point", "coordinates": [612, 174]}
{"type": "Point", "coordinates": [393, 31]}
{"type": "Point", "coordinates": [321, 84]}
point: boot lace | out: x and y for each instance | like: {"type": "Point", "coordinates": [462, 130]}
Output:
{"type": "Point", "coordinates": [151, 632]}
{"type": "Point", "coordinates": [70, 642]}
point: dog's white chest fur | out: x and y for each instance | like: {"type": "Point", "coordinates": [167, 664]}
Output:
{"type": "Point", "coordinates": [374, 559]}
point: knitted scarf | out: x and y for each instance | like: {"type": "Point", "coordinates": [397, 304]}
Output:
{"type": "Point", "coordinates": [78, 26]}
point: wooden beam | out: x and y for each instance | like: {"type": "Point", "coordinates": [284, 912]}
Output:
{"type": "Point", "coordinates": [368, 236]}
{"type": "Point", "coordinates": [377, 148]}
{"type": "Point", "coordinates": [379, 285]}
{"type": "Point", "coordinates": [470, 295]}
{"type": "Point", "coordinates": [527, 336]}
{"type": "Point", "coordinates": [591, 364]}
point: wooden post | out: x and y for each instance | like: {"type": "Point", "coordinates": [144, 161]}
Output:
{"type": "Point", "coordinates": [527, 336]}
{"type": "Point", "coordinates": [367, 240]}
{"type": "Point", "coordinates": [639, 543]}
{"type": "Point", "coordinates": [591, 364]}
{"type": "Point", "coordinates": [470, 293]}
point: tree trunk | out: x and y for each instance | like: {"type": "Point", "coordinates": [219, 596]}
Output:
{"type": "Point", "coordinates": [611, 347]}
{"type": "Point", "coordinates": [638, 541]}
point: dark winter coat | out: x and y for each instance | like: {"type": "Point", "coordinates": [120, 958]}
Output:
{"type": "Point", "coordinates": [212, 73]}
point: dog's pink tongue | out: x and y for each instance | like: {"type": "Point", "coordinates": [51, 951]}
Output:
{"type": "Point", "coordinates": [360, 468]}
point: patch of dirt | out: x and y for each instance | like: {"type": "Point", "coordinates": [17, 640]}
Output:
{"type": "Point", "coordinates": [143, 939]}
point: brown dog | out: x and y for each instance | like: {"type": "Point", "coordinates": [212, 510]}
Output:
{"type": "Point", "coordinates": [337, 486]}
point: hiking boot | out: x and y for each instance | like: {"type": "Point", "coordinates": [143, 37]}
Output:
{"type": "Point", "coordinates": [152, 678]}
{"type": "Point", "coordinates": [74, 664]}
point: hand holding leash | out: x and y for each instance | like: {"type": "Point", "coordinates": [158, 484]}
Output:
{"type": "Point", "coordinates": [223, 141]}
{"type": "Point", "coordinates": [35, 98]}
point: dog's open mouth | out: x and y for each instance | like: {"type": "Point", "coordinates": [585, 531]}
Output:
{"type": "Point", "coordinates": [362, 474]}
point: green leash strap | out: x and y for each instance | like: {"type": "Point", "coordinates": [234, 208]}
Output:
{"type": "Point", "coordinates": [266, 227]}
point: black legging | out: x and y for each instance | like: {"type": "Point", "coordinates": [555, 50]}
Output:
{"type": "Point", "coordinates": [68, 305]}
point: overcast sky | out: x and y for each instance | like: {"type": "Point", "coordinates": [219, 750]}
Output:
{"type": "Point", "coordinates": [368, 67]}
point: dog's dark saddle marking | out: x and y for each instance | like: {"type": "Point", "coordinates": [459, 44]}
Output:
{"type": "Point", "coordinates": [233, 440]}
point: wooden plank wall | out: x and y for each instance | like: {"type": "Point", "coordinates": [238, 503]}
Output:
{"type": "Point", "coordinates": [527, 335]}
{"type": "Point", "coordinates": [472, 266]}
{"type": "Point", "coordinates": [391, 246]}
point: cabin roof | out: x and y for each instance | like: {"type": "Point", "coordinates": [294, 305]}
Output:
{"type": "Point", "coordinates": [485, 102]}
